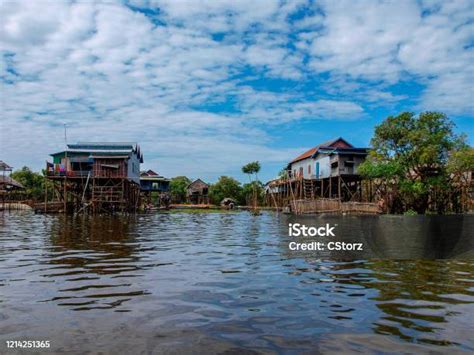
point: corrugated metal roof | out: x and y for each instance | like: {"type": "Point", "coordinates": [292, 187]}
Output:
{"type": "Point", "coordinates": [109, 156]}
{"type": "Point", "coordinates": [128, 148]}
{"type": "Point", "coordinates": [91, 151]}
{"type": "Point", "coordinates": [154, 178]}
{"type": "Point", "coordinates": [103, 145]}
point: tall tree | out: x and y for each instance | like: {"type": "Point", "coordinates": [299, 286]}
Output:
{"type": "Point", "coordinates": [409, 159]}
{"type": "Point", "coordinates": [252, 169]}
{"type": "Point", "coordinates": [249, 190]}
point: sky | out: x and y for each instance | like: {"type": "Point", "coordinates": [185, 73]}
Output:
{"type": "Point", "coordinates": [206, 86]}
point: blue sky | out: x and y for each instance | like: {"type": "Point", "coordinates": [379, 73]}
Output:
{"type": "Point", "coordinates": [207, 86]}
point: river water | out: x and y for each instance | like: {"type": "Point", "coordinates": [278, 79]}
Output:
{"type": "Point", "coordinates": [186, 282]}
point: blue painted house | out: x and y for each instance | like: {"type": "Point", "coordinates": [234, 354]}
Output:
{"type": "Point", "coordinates": [151, 181]}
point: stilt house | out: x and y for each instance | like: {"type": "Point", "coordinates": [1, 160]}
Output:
{"type": "Point", "coordinates": [197, 192]}
{"type": "Point", "coordinates": [153, 182]}
{"type": "Point", "coordinates": [100, 176]}
{"type": "Point", "coordinates": [330, 159]}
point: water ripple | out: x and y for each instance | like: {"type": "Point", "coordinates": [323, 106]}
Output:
{"type": "Point", "coordinates": [228, 281]}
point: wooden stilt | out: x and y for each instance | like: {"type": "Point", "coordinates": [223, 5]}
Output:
{"type": "Point", "coordinates": [330, 187]}
{"type": "Point", "coordinates": [65, 194]}
{"type": "Point", "coordinates": [338, 187]}
{"type": "Point", "coordinates": [45, 195]}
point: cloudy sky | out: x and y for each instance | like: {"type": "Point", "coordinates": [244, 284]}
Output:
{"type": "Point", "coordinates": [206, 86]}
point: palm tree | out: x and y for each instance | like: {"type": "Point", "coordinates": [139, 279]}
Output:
{"type": "Point", "coordinates": [252, 169]}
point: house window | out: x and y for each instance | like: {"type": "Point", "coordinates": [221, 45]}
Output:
{"type": "Point", "coordinates": [309, 169]}
{"type": "Point", "coordinates": [301, 171]}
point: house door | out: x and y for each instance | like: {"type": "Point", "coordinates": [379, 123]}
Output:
{"type": "Point", "coordinates": [317, 170]}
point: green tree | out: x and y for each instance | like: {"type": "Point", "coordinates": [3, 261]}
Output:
{"type": "Point", "coordinates": [252, 169]}
{"type": "Point", "coordinates": [223, 188]}
{"type": "Point", "coordinates": [461, 161]}
{"type": "Point", "coordinates": [409, 160]}
{"type": "Point", "coordinates": [248, 191]}
{"type": "Point", "coordinates": [32, 181]}
{"type": "Point", "coordinates": [178, 187]}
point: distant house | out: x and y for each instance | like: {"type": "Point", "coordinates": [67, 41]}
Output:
{"type": "Point", "coordinates": [197, 192]}
{"type": "Point", "coordinates": [151, 181]}
{"type": "Point", "coordinates": [6, 182]}
{"type": "Point", "coordinates": [330, 159]}
{"type": "Point", "coordinates": [98, 160]}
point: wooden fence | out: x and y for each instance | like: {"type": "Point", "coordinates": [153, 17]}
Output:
{"type": "Point", "coordinates": [360, 207]}
{"type": "Point", "coordinates": [14, 206]}
{"type": "Point", "coordinates": [332, 205]}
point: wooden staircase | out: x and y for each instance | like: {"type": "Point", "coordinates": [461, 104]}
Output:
{"type": "Point", "coordinates": [308, 189]}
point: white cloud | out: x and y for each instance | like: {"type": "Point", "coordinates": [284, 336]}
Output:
{"type": "Point", "coordinates": [394, 41]}
{"type": "Point", "coordinates": [152, 72]}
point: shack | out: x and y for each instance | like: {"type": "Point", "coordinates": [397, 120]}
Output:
{"type": "Point", "coordinates": [8, 184]}
{"type": "Point", "coordinates": [197, 192]}
{"type": "Point", "coordinates": [97, 176]}
{"type": "Point", "coordinates": [10, 189]}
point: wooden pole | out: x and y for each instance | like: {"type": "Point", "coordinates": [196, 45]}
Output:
{"type": "Point", "coordinates": [93, 195]}
{"type": "Point", "coordinates": [330, 186]}
{"type": "Point", "coordinates": [339, 187]}
{"type": "Point", "coordinates": [274, 201]}
{"type": "Point", "coordinates": [45, 195]}
{"type": "Point", "coordinates": [65, 194]}
{"type": "Point", "coordinates": [293, 197]}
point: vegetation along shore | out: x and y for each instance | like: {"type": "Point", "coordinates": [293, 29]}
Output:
{"type": "Point", "coordinates": [416, 164]}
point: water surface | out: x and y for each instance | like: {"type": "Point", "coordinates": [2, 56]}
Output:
{"type": "Point", "coordinates": [227, 283]}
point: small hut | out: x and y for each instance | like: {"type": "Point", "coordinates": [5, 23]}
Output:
{"type": "Point", "coordinates": [6, 181]}
{"type": "Point", "coordinates": [9, 184]}
{"type": "Point", "coordinates": [10, 189]}
{"type": "Point", "coordinates": [197, 192]}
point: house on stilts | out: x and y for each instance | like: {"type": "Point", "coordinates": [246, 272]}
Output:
{"type": "Point", "coordinates": [96, 177]}
{"type": "Point", "coordinates": [11, 191]}
{"type": "Point", "coordinates": [197, 192]}
{"type": "Point", "coordinates": [154, 188]}
{"type": "Point", "coordinates": [327, 172]}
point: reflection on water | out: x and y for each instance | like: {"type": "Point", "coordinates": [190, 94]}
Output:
{"type": "Point", "coordinates": [220, 282]}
